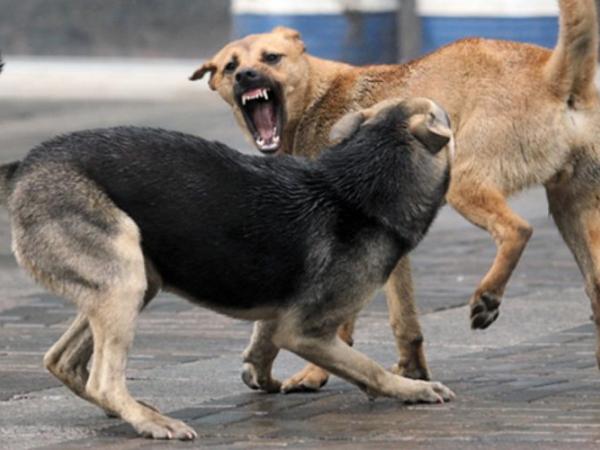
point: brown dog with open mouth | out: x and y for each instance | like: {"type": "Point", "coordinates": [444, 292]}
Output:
{"type": "Point", "coordinates": [522, 115]}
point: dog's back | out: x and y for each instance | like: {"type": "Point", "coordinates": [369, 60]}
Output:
{"type": "Point", "coordinates": [518, 110]}
{"type": "Point", "coordinates": [215, 222]}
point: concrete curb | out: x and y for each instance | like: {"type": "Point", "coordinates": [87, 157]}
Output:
{"type": "Point", "coordinates": [52, 78]}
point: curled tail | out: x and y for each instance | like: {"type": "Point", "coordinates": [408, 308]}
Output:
{"type": "Point", "coordinates": [571, 69]}
{"type": "Point", "coordinates": [6, 174]}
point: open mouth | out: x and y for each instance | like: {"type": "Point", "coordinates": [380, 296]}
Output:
{"type": "Point", "coordinates": [263, 112]}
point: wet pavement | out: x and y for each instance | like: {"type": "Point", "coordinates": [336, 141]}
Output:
{"type": "Point", "coordinates": [530, 381]}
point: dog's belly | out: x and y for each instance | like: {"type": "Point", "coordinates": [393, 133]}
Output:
{"type": "Point", "coordinates": [268, 312]}
{"type": "Point", "coordinates": [224, 274]}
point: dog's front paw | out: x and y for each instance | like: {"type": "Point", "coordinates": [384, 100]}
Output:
{"type": "Point", "coordinates": [157, 426]}
{"type": "Point", "coordinates": [256, 380]}
{"type": "Point", "coordinates": [310, 379]}
{"type": "Point", "coordinates": [432, 392]}
{"type": "Point", "coordinates": [484, 310]}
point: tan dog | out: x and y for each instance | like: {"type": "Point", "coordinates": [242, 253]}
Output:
{"type": "Point", "coordinates": [522, 115]}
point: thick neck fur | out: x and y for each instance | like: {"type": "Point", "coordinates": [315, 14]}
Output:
{"type": "Point", "coordinates": [334, 90]}
{"type": "Point", "coordinates": [322, 74]}
{"type": "Point", "coordinates": [380, 173]}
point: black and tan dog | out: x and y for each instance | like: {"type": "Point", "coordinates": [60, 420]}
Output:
{"type": "Point", "coordinates": [522, 115]}
{"type": "Point", "coordinates": [108, 217]}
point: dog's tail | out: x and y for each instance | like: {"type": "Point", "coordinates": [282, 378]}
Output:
{"type": "Point", "coordinates": [571, 69]}
{"type": "Point", "coordinates": [7, 172]}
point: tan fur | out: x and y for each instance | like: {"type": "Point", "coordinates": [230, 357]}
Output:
{"type": "Point", "coordinates": [110, 317]}
{"type": "Point", "coordinates": [522, 115]}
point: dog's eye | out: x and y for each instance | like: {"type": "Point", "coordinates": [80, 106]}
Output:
{"type": "Point", "coordinates": [272, 58]}
{"type": "Point", "coordinates": [230, 66]}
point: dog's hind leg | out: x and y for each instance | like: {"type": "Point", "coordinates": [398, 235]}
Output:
{"type": "Point", "coordinates": [77, 243]}
{"type": "Point", "coordinates": [487, 207]}
{"type": "Point", "coordinates": [259, 357]}
{"type": "Point", "coordinates": [68, 358]}
{"type": "Point", "coordinates": [333, 354]}
{"type": "Point", "coordinates": [112, 315]}
{"type": "Point", "coordinates": [575, 206]}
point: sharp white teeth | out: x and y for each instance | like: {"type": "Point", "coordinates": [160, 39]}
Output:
{"type": "Point", "coordinates": [262, 93]}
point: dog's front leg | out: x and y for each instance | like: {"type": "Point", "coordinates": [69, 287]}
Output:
{"type": "Point", "coordinates": [112, 320]}
{"type": "Point", "coordinates": [312, 377]}
{"type": "Point", "coordinates": [342, 360]}
{"type": "Point", "coordinates": [405, 323]}
{"type": "Point", "coordinates": [259, 357]}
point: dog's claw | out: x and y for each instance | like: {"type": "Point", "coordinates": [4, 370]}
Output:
{"type": "Point", "coordinates": [436, 392]}
{"type": "Point", "coordinates": [162, 427]}
{"type": "Point", "coordinates": [427, 392]}
{"type": "Point", "coordinates": [484, 311]}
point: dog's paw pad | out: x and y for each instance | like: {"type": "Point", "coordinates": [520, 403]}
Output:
{"type": "Point", "coordinates": [484, 311]}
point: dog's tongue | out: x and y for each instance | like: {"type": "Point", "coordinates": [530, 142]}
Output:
{"type": "Point", "coordinates": [263, 116]}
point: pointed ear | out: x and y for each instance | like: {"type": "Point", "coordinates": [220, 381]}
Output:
{"type": "Point", "coordinates": [291, 34]}
{"type": "Point", "coordinates": [346, 126]}
{"type": "Point", "coordinates": [208, 66]}
{"type": "Point", "coordinates": [432, 129]}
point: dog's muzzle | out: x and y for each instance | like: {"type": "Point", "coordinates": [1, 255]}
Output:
{"type": "Point", "coordinates": [261, 102]}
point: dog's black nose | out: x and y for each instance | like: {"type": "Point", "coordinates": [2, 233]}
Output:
{"type": "Point", "coordinates": [246, 75]}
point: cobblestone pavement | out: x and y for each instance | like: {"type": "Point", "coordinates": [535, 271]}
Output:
{"type": "Point", "coordinates": [530, 381]}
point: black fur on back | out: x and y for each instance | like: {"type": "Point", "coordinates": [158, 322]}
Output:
{"type": "Point", "coordinates": [240, 231]}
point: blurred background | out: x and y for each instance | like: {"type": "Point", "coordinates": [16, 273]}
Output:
{"type": "Point", "coordinates": [146, 48]}
{"type": "Point", "coordinates": [359, 31]}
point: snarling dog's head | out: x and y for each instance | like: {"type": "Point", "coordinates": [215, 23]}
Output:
{"type": "Point", "coordinates": [264, 78]}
